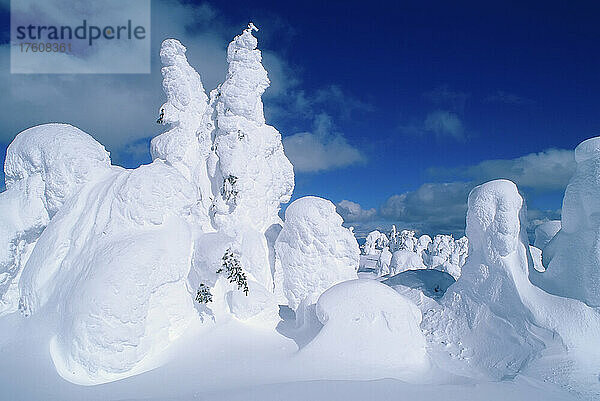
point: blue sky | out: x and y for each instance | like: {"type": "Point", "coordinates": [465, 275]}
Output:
{"type": "Point", "coordinates": [396, 109]}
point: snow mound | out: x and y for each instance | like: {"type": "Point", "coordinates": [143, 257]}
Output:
{"type": "Point", "coordinates": [545, 232]}
{"type": "Point", "coordinates": [64, 157]}
{"type": "Point", "coordinates": [258, 307]}
{"type": "Point", "coordinates": [369, 326]}
{"type": "Point", "coordinates": [316, 252]}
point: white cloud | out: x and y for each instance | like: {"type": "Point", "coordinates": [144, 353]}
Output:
{"type": "Point", "coordinates": [549, 170]}
{"type": "Point", "coordinates": [438, 207]}
{"type": "Point", "coordinates": [444, 124]}
{"type": "Point", "coordinates": [352, 212]}
{"type": "Point", "coordinates": [322, 149]}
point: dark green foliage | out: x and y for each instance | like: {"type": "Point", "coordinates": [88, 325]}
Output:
{"type": "Point", "coordinates": [160, 118]}
{"type": "Point", "coordinates": [231, 265]}
{"type": "Point", "coordinates": [203, 295]}
{"type": "Point", "coordinates": [229, 192]}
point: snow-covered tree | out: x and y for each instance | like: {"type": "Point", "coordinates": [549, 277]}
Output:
{"type": "Point", "coordinates": [315, 250]}
{"type": "Point", "coordinates": [251, 176]}
{"type": "Point", "coordinates": [374, 242]}
{"type": "Point", "coordinates": [572, 258]}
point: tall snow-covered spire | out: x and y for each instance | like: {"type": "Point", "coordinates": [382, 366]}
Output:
{"type": "Point", "coordinates": [187, 144]}
{"type": "Point", "coordinates": [252, 176]}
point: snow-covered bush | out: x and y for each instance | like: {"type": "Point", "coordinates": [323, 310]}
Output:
{"type": "Point", "coordinates": [64, 157]}
{"type": "Point", "coordinates": [235, 274]}
{"type": "Point", "coordinates": [131, 251]}
{"type": "Point", "coordinates": [316, 252]}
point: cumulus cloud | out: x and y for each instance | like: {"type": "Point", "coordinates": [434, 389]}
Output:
{"type": "Point", "coordinates": [353, 212]}
{"type": "Point", "coordinates": [322, 149]}
{"type": "Point", "coordinates": [439, 207]}
{"type": "Point", "coordinates": [549, 170]}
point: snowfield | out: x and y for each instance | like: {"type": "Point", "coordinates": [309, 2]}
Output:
{"type": "Point", "coordinates": [178, 280]}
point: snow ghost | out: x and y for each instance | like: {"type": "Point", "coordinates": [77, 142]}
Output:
{"type": "Point", "coordinates": [483, 327]}
{"type": "Point", "coordinates": [572, 258]}
{"type": "Point", "coordinates": [316, 252]}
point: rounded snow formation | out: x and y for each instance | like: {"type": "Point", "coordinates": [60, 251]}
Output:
{"type": "Point", "coordinates": [572, 258]}
{"type": "Point", "coordinates": [115, 262]}
{"type": "Point", "coordinates": [545, 232]}
{"type": "Point", "coordinates": [64, 157]}
{"type": "Point", "coordinates": [369, 329]}
{"type": "Point", "coordinates": [405, 260]}
{"type": "Point", "coordinates": [315, 251]}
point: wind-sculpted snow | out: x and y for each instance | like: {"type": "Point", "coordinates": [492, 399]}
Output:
{"type": "Point", "coordinates": [114, 262]}
{"type": "Point", "coordinates": [63, 156]}
{"type": "Point", "coordinates": [369, 328]}
{"type": "Point", "coordinates": [374, 242]}
{"type": "Point", "coordinates": [316, 252]}
{"type": "Point", "coordinates": [482, 322]}
{"type": "Point", "coordinates": [23, 217]}
{"type": "Point", "coordinates": [44, 167]}
{"type": "Point", "coordinates": [493, 321]}
{"type": "Point", "coordinates": [404, 260]}
{"type": "Point", "coordinates": [572, 258]}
